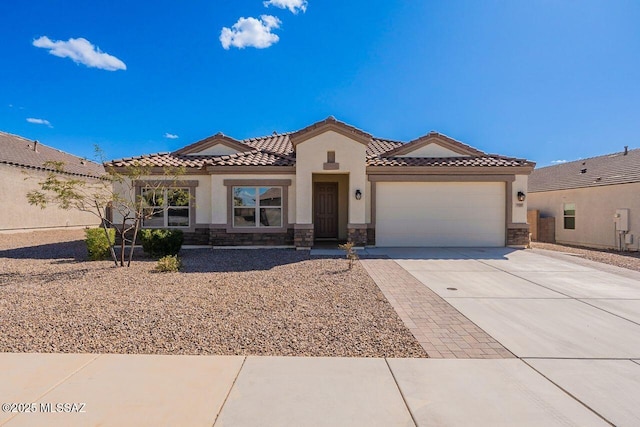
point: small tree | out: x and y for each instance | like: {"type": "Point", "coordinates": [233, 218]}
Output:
{"type": "Point", "coordinates": [120, 190]}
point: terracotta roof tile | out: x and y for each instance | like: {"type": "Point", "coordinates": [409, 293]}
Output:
{"type": "Point", "coordinates": [18, 151]}
{"type": "Point", "coordinates": [277, 150]}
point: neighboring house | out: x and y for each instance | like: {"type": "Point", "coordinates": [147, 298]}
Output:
{"type": "Point", "coordinates": [595, 202]}
{"type": "Point", "coordinates": [331, 181]}
{"type": "Point", "coordinates": [22, 167]}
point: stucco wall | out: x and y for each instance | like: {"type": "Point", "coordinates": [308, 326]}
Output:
{"type": "Point", "coordinates": [519, 209]}
{"type": "Point", "coordinates": [595, 207]}
{"type": "Point", "coordinates": [310, 158]}
{"type": "Point", "coordinates": [19, 214]}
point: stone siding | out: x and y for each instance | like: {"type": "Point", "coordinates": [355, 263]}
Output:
{"type": "Point", "coordinates": [220, 237]}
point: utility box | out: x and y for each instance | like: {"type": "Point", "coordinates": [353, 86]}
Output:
{"type": "Point", "coordinates": [621, 219]}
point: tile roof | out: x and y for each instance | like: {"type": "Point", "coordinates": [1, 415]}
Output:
{"type": "Point", "coordinates": [18, 151]}
{"type": "Point", "coordinates": [609, 169]}
{"type": "Point", "coordinates": [277, 150]}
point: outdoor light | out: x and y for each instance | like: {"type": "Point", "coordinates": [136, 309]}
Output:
{"type": "Point", "coordinates": [358, 194]}
{"type": "Point", "coordinates": [521, 196]}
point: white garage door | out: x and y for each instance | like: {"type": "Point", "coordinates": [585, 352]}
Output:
{"type": "Point", "coordinates": [440, 214]}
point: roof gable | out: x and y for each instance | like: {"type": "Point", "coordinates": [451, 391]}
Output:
{"type": "Point", "coordinates": [216, 145]}
{"type": "Point", "coordinates": [434, 145]}
{"type": "Point", "coordinates": [330, 124]}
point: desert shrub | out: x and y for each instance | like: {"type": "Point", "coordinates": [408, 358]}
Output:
{"type": "Point", "coordinates": [97, 243]}
{"type": "Point", "coordinates": [169, 263]}
{"type": "Point", "coordinates": [350, 252]}
{"type": "Point", "coordinates": [159, 243]}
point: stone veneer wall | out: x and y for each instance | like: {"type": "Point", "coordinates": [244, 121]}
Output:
{"type": "Point", "coordinates": [357, 235]}
{"type": "Point", "coordinates": [220, 237]}
{"type": "Point", "coordinates": [303, 237]}
{"type": "Point", "coordinates": [371, 236]}
{"type": "Point", "coordinates": [518, 236]}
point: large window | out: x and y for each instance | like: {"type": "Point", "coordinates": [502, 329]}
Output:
{"type": "Point", "coordinates": [257, 207]}
{"type": "Point", "coordinates": [569, 216]}
{"type": "Point", "coordinates": [166, 208]}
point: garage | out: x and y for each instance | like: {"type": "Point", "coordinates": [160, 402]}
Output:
{"type": "Point", "coordinates": [440, 214]}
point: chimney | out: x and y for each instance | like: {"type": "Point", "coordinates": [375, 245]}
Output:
{"type": "Point", "coordinates": [626, 150]}
{"type": "Point", "coordinates": [35, 145]}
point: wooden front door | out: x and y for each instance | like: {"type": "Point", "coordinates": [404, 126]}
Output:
{"type": "Point", "coordinates": [325, 217]}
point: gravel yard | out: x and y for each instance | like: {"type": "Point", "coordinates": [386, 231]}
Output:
{"type": "Point", "coordinates": [232, 302]}
{"type": "Point", "coordinates": [630, 260]}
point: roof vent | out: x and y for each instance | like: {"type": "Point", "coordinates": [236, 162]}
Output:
{"type": "Point", "coordinates": [583, 170]}
{"type": "Point", "coordinates": [35, 145]}
{"type": "Point", "coordinates": [275, 132]}
{"type": "Point", "coordinates": [626, 150]}
{"type": "Point", "coordinates": [598, 179]}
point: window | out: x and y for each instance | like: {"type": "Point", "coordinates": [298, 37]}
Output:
{"type": "Point", "coordinates": [166, 208]}
{"type": "Point", "coordinates": [257, 207]}
{"type": "Point", "coordinates": [569, 216]}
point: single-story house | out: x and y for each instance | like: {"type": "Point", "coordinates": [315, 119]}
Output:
{"type": "Point", "coordinates": [22, 167]}
{"type": "Point", "coordinates": [595, 201]}
{"type": "Point", "coordinates": [332, 181]}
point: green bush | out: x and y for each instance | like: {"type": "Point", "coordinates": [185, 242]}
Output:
{"type": "Point", "coordinates": [169, 263]}
{"type": "Point", "coordinates": [97, 243]}
{"type": "Point", "coordinates": [159, 243]}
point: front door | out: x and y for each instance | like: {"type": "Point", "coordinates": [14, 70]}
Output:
{"type": "Point", "coordinates": [325, 217]}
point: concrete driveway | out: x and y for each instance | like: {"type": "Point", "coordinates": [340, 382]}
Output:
{"type": "Point", "coordinates": [575, 322]}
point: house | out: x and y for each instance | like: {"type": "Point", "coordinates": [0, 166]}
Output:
{"type": "Point", "coordinates": [23, 164]}
{"type": "Point", "coordinates": [595, 201]}
{"type": "Point", "coordinates": [332, 181]}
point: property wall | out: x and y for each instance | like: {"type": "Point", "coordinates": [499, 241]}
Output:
{"type": "Point", "coordinates": [19, 214]}
{"type": "Point", "coordinates": [310, 158]}
{"type": "Point", "coordinates": [595, 207]}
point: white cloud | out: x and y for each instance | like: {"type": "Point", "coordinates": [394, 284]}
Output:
{"type": "Point", "coordinates": [251, 32]}
{"type": "Point", "coordinates": [557, 162]}
{"type": "Point", "coordinates": [39, 121]}
{"type": "Point", "coordinates": [293, 5]}
{"type": "Point", "coordinates": [171, 136]}
{"type": "Point", "coordinates": [81, 51]}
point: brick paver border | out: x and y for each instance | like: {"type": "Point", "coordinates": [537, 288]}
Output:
{"type": "Point", "coordinates": [439, 328]}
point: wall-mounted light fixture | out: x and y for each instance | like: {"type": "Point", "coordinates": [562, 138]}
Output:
{"type": "Point", "coordinates": [358, 194]}
{"type": "Point", "coordinates": [521, 196]}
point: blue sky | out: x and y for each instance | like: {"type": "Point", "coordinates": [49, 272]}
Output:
{"type": "Point", "coordinates": [544, 80]}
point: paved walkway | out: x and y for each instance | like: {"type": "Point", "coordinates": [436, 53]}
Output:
{"type": "Point", "coordinates": [149, 390]}
{"type": "Point", "coordinates": [439, 328]}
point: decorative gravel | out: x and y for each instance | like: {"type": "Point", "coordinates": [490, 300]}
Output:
{"type": "Point", "coordinates": [630, 260]}
{"type": "Point", "coordinates": [232, 302]}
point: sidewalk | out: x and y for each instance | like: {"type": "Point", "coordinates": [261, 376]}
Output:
{"type": "Point", "coordinates": [146, 390]}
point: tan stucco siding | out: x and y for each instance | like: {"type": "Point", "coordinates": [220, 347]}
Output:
{"type": "Point", "coordinates": [433, 150]}
{"type": "Point", "coordinates": [19, 214]}
{"type": "Point", "coordinates": [519, 209]}
{"type": "Point", "coordinates": [218, 194]}
{"type": "Point", "coordinates": [595, 207]}
{"type": "Point", "coordinates": [310, 158]}
{"type": "Point", "coordinates": [202, 195]}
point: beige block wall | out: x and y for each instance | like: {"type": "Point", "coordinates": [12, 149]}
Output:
{"type": "Point", "coordinates": [595, 207]}
{"type": "Point", "coordinates": [310, 158]}
{"type": "Point", "coordinates": [218, 195]}
{"type": "Point", "coordinates": [19, 214]}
